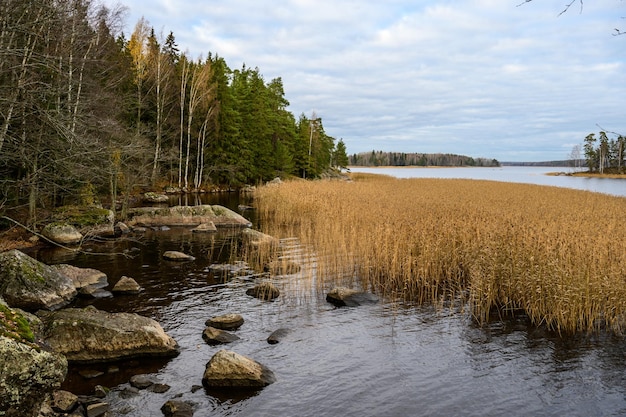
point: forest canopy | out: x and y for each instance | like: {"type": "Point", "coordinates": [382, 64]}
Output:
{"type": "Point", "coordinates": [86, 110]}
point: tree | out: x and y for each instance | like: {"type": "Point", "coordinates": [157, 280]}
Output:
{"type": "Point", "coordinates": [137, 47]}
{"type": "Point", "coordinates": [340, 157]}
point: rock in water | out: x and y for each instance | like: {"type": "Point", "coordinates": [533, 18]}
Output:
{"type": "Point", "coordinates": [225, 322]}
{"type": "Point", "coordinates": [31, 285]}
{"type": "Point", "coordinates": [214, 336]}
{"type": "Point", "coordinates": [264, 291]}
{"type": "Point", "coordinates": [126, 285]}
{"type": "Point", "coordinates": [230, 369]}
{"type": "Point", "coordinates": [172, 255]}
{"type": "Point", "coordinates": [341, 297]}
{"type": "Point", "coordinates": [27, 373]}
{"type": "Point", "coordinates": [89, 335]}
{"type": "Point", "coordinates": [277, 336]}
{"type": "Point", "coordinates": [176, 408]}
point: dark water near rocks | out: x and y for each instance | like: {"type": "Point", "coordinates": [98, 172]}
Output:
{"type": "Point", "coordinates": [381, 360]}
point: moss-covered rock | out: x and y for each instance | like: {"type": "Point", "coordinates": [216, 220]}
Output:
{"type": "Point", "coordinates": [27, 374]}
{"type": "Point", "coordinates": [31, 285]}
{"type": "Point", "coordinates": [186, 216]}
{"type": "Point", "coordinates": [89, 335]}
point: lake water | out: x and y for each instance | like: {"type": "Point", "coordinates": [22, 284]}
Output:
{"type": "Point", "coordinates": [388, 359]}
{"type": "Point", "coordinates": [528, 175]}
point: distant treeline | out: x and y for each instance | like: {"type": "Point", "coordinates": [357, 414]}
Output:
{"type": "Point", "coordinates": [564, 163]}
{"type": "Point", "coordinates": [380, 158]}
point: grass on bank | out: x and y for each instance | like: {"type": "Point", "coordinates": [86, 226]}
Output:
{"type": "Point", "coordinates": [557, 254]}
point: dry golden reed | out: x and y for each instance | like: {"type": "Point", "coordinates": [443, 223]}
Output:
{"type": "Point", "coordinates": [557, 254]}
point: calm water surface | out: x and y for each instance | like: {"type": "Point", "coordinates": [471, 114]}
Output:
{"type": "Point", "coordinates": [528, 175]}
{"type": "Point", "coordinates": [383, 360]}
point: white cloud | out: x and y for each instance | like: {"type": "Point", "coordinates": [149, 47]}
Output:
{"type": "Point", "coordinates": [477, 77]}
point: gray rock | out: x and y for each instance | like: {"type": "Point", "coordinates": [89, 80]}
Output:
{"type": "Point", "coordinates": [264, 291]}
{"type": "Point", "coordinates": [230, 369]}
{"type": "Point", "coordinates": [97, 409]}
{"type": "Point", "coordinates": [31, 285]}
{"type": "Point", "coordinates": [121, 228]}
{"type": "Point", "coordinates": [89, 335]}
{"type": "Point", "coordinates": [277, 336]}
{"type": "Point", "coordinates": [159, 388]}
{"type": "Point", "coordinates": [258, 239]}
{"type": "Point", "coordinates": [152, 197]}
{"type": "Point", "coordinates": [126, 285]}
{"type": "Point", "coordinates": [62, 233]}
{"type": "Point", "coordinates": [237, 269]}
{"type": "Point", "coordinates": [176, 408]}
{"type": "Point", "coordinates": [27, 374]}
{"type": "Point", "coordinates": [347, 297]}
{"type": "Point", "coordinates": [225, 322]}
{"type": "Point", "coordinates": [214, 336]}
{"type": "Point", "coordinates": [172, 255]}
{"type": "Point", "coordinates": [141, 381]}
{"type": "Point", "coordinates": [63, 401]}
{"type": "Point", "coordinates": [83, 277]}
{"type": "Point", "coordinates": [100, 392]}
{"type": "Point", "coordinates": [186, 216]}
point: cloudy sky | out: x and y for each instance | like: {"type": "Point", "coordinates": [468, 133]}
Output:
{"type": "Point", "coordinates": [483, 78]}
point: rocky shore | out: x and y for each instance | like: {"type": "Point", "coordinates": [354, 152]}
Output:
{"type": "Point", "coordinates": [41, 335]}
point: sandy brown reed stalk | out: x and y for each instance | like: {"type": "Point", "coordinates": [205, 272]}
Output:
{"type": "Point", "coordinates": [557, 254]}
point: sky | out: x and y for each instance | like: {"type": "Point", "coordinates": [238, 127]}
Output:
{"type": "Point", "coordinates": [483, 78]}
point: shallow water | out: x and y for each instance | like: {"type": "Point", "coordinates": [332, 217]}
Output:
{"type": "Point", "coordinates": [387, 359]}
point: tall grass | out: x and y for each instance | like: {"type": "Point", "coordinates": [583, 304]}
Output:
{"type": "Point", "coordinates": [558, 255]}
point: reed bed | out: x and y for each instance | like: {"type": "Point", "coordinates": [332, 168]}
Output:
{"type": "Point", "coordinates": [558, 255]}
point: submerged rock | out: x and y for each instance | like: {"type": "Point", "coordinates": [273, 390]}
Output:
{"type": "Point", "coordinates": [264, 291]}
{"type": "Point", "coordinates": [214, 336]}
{"type": "Point", "coordinates": [277, 336]}
{"type": "Point", "coordinates": [347, 297]}
{"type": "Point", "coordinates": [258, 239]}
{"type": "Point", "coordinates": [172, 255]}
{"type": "Point", "coordinates": [27, 374]}
{"type": "Point", "coordinates": [31, 285]}
{"type": "Point", "coordinates": [230, 369]}
{"type": "Point", "coordinates": [90, 335]}
{"type": "Point", "coordinates": [225, 322]}
{"type": "Point", "coordinates": [177, 408]}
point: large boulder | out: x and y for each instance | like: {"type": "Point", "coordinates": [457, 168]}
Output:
{"type": "Point", "coordinates": [62, 233]}
{"type": "Point", "coordinates": [347, 297]}
{"type": "Point", "coordinates": [31, 285]}
{"type": "Point", "coordinates": [27, 375]}
{"type": "Point", "coordinates": [186, 216]}
{"type": "Point", "coordinates": [230, 369]}
{"type": "Point", "coordinates": [89, 335]}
